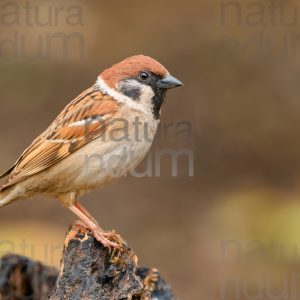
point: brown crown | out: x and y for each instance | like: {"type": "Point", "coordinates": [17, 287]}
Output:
{"type": "Point", "coordinates": [130, 67]}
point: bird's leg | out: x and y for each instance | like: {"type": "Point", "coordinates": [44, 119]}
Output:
{"type": "Point", "coordinates": [94, 226]}
{"type": "Point", "coordinates": [108, 239]}
{"type": "Point", "coordinates": [84, 211]}
{"type": "Point", "coordinates": [110, 234]}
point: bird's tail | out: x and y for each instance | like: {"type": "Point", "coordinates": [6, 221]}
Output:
{"type": "Point", "coordinates": [6, 193]}
{"type": "Point", "coordinates": [5, 197]}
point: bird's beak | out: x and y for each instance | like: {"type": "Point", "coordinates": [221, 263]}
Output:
{"type": "Point", "coordinates": [169, 82]}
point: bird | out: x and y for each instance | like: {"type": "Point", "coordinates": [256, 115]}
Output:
{"type": "Point", "coordinates": [102, 135]}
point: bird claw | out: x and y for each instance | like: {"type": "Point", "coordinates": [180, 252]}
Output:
{"type": "Point", "coordinates": [99, 235]}
{"type": "Point", "coordinates": [110, 240]}
{"type": "Point", "coordinates": [116, 252]}
{"type": "Point", "coordinates": [112, 235]}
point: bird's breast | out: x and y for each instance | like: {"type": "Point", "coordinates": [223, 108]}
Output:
{"type": "Point", "coordinates": [118, 152]}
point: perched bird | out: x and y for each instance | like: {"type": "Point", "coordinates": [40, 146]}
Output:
{"type": "Point", "coordinates": [101, 135]}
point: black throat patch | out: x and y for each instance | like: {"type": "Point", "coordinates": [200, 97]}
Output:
{"type": "Point", "coordinates": [157, 101]}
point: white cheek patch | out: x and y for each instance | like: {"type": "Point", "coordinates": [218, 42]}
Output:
{"type": "Point", "coordinates": [146, 95]}
{"type": "Point", "coordinates": [130, 88]}
{"type": "Point", "coordinates": [145, 91]}
{"type": "Point", "coordinates": [121, 98]}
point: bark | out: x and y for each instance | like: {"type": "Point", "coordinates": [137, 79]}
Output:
{"type": "Point", "coordinates": [88, 271]}
{"type": "Point", "coordinates": [24, 279]}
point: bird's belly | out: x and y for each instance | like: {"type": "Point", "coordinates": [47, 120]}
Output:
{"type": "Point", "coordinates": [116, 161]}
{"type": "Point", "coordinates": [98, 164]}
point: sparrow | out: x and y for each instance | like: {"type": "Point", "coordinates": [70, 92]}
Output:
{"type": "Point", "coordinates": [98, 137]}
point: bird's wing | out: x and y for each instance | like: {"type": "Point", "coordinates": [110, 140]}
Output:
{"type": "Point", "coordinates": [82, 121]}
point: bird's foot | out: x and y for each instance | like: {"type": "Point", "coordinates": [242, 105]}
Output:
{"type": "Point", "coordinates": [108, 239]}
{"type": "Point", "coordinates": [113, 236]}
{"type": "Point", "coordinates": [117, 251]}
{"type": "Point", "coordinates": [105, 239]}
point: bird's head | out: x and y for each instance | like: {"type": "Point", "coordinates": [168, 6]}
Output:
{"type": "Point", "coordinates": [139, 79]}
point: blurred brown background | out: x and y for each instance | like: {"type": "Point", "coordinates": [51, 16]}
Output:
{"type": "Point", "coordinates": [231, 231]}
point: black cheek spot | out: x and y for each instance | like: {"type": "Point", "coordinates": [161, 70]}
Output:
{"type": "Point", "coordinates": [131, 92]}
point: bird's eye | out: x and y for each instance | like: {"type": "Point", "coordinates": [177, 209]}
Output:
{"type": "Point", "coordinates": [144, 75]}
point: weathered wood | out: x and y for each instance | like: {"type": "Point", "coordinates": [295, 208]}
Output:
{"type": "Point", "coordinates": [24, 279]}
{"type": "Point", "coordinates": [88, 271]}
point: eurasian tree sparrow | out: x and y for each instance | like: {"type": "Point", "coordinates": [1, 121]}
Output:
{"type": "Point", "coordinates": [62, 161]}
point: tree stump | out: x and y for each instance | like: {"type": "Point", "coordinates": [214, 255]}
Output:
{"type": "Point", "coordinates": [23, 279]}
{"type": "Point", "coordinates": [88, 271]}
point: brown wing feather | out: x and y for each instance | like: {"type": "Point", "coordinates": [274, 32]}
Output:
{"type": "Point", "coordinates": [82, 121]}
{"type": "Point", "coordinates": [7, 172]}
